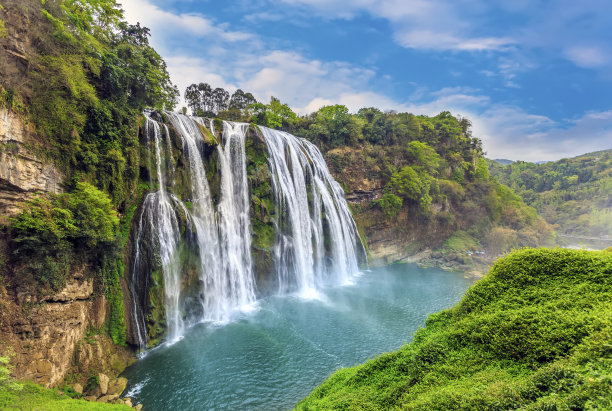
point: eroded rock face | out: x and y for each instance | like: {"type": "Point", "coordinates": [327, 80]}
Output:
{"type": "Point", "coordinates": [22, 173]}
{"type": "Point", "coordinates": [44, 333]}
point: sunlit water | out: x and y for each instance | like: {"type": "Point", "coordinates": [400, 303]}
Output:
{"type": "Point", "coordinates": [274, 355]}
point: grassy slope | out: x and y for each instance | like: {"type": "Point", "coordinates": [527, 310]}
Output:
{"type": "Point", "coordinates": [535, 333]}
{"type": "Point", "coordinates": [35, 397]}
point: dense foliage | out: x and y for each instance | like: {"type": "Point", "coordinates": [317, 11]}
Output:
{"type": "Point", "coordinates": [432, 172]}
{"type": "Point", "coordinates": [89, 76]}
{"type": "Point", "coordinates": [534, 334]}
{"type": "Point", "coordinates": [430, 167]}
{"type": "Point", "coordinates": [52, 232]}
{"type": "Point", "coordinates": [574, 193]}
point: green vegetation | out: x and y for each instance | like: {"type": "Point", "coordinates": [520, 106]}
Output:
{"type": "Point", "coordinates": [35, 397]}
{"type": "Point", "coordinates": [434, 179]}
{"type": "Point", "coordinates": [112, 273]}
{"type": "Point", "coordinates": [390, 204]}
{"type": "Point", "coordinates": [89, 77]}
{"type": "Point", "coordinates": [575, 193]}
{"type": "Point", "coordinates": [534, 334]}
{"type": "Point", "coordinates": [51, 233]}
{"type": "Point", "coordinates": [6, 382]}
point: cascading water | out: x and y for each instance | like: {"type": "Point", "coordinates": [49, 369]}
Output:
{"type": "Point", "coordinates": [234, 223]}
{"type": "Point", "coordinates": [158, 219]}
{"type": "Point", "coordinates": [317, 240]}
{"type": "Point", "coordinates": [301, 249]}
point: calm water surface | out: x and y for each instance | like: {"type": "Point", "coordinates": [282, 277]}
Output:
{"type": "Point", "coordinates": [273, 356]}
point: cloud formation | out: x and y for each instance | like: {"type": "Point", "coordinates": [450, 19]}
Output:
{"type": "Point", "coordinates": [198, 48]}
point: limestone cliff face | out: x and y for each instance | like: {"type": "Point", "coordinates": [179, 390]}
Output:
{"type": "Point", "coordinates": [389, 240]}
{"type": "Point", "coordinates": [22, 172]}
{"type": "Point", "coordinates": [47, 334]}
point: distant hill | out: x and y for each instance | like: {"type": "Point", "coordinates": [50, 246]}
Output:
{"type": "Point", "coordinates": [503, 161]}
{"type": "Point", "coordinates": [574, 193]}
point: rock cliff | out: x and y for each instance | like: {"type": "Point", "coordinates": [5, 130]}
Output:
{"type": "Point", "coordinates": [22, 171]}
{"type": "Point", "coordinates": [51, 335]}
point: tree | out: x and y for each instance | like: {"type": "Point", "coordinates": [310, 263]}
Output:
{"type": "Point", "coordinates": [273, 115]}
{"type": "Point", "coordinates": [94, 215]}
{"type": "Point", "coordinates": [423, 157]}
{"type": "Point", "coordinates": [241, 100]}
{"type": "Point", "coordinates": [332, 124]}
{"type": "Point", "coordinates": [411, 185]}
{"type": "Point", "coordinates": [219, 99]}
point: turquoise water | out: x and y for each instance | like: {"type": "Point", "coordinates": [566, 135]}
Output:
{"type": "Point", "coordinates": [274, 355]}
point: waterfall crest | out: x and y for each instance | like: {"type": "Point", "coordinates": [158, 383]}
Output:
{"type": "Point", "coordinates": [197, 236]}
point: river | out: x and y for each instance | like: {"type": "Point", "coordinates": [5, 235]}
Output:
{"type": "Point", "coordinates": [274, 355]}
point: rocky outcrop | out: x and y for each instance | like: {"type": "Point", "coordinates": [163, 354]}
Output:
{"type": "Point", "coordinates": [43, 332]}
{"type": "Point", "coordinates": [60, 334]}
{"type": "Point", "coordinates": [22, 172]}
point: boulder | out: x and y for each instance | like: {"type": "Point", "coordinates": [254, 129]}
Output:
{"type": "Point", "coordinates": [138, 407]}
{"type": "Point", "coordinates": [95, 392]}
{"type": "Point", "coordinates": [78, 388]}
{"type": "Point", "coordinates": [117, 386]}
{"type": "Point", "coordinates": [103, 383]}
{"type": "Point", "coordinates": [108, 398]}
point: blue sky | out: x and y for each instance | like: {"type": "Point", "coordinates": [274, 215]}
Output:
{"type": "Point", "coordinates": [533, 76]}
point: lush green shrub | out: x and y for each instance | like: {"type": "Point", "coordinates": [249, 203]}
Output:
{"type": "Point", "coordinates": [6, 382]}
{"type": "Point", "coordinates": [49, 231]}
{"type": "Point", "coordinates": [533, 334]}
{"type": "Point", "coordinates": [411, 186]}
{"type": "Point", "coordinates": [94, 215]}
{"type": "Point", "coordinates": [390, 204]}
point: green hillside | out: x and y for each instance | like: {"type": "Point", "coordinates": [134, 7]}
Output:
{"type": "Point", "coordinates": [534, 334]}
{"type": "Point", "coordinates": [574, 193]}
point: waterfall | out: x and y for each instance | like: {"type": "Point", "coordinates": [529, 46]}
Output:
{"type": "Point", "coordinates": [307, 195]}
{"type": "Point", "coordinates": [201, 243]}
{"type": "Point", "coordinates": [234, 223]}
{"type": "Point", "coordinates": [158, 219]}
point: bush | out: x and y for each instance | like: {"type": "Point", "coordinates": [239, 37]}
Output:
{"type": "Point", "coordinates": [390, 204]}
{"type": "Point", "coordinates": [533, 334]}
{"type": "Point", "coordinates": [50, 230]}
{"type": "Point", "coordinates": [6, 382]}
{"type": "Point", "coordinates": [94, 215]}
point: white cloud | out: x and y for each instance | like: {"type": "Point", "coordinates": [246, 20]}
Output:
{"type": "Point", "coordinates": [488, 26]}
{"type": "Point", "coordinates": [183, 24]}
{"type": "Point", "coordinates": [587, 56]}
{"type": "Point", "coordinates": [228, 58]}
{"type": "Point", "coordinates": [420, 24]}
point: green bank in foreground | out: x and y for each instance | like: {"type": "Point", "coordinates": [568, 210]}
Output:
{"type": "Point", "coordinates": [34, 397]}
{"type": "Point", "coordinates": [535, 334]}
